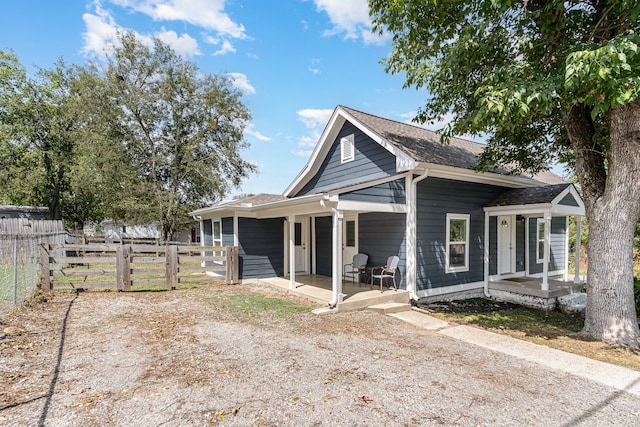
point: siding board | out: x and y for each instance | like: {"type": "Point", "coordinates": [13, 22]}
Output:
{"type": "Point", "coordinates": [261, 247]}
{"type": "Point", "coordinates": [381, 235]}
{"type": "Point", "coordinates": [323, 245]}
{"type": "Point", "coordinates": [371, 161]}
{"type": "Point", "coordinates": [386, 192]}
{"type": "Point", "coordinates": [435, 198]}
{"type": "Point", "coordinates": [558, 245]}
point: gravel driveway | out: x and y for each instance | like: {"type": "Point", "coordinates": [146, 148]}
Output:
{"type": "Point", "coordinates": [187, 358]}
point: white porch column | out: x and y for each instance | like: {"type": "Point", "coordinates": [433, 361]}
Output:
{"type": "Point", "coordinates": [486, 254]}
{"type": "Point", "coordinates": [547, 251]}
{"type": "Point", "coordinates": [235, 230]}
{"type": "Point", "coordinates": [292, 251]}
{"type": "Point", "coordinates": [576, 276]}
{"type": "Point", "coordinates": [410, 233]}
{"type": "Point", "coordinates": [336, 256]}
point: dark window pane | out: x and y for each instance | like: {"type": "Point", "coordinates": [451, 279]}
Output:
{"type": "Point", "coordinates": [298, 236]}
{"type": "Point", "coordinates": [457, 255]}
{"type": "Point", "coordinates": [351, 233]}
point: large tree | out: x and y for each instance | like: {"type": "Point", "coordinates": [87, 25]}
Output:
{"type": "Point", "coordinates": [181, 130]}
{"type": "Point", "coordinates": [39, 126]}
{"type": "Point", "coordinates": [548, 80]}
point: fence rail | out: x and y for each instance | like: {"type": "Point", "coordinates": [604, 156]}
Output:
{"type": "Point", "coordinates": [127, 266]}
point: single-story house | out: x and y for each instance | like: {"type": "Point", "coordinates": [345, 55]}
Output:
{"type": "Point", "coordinates": [382, 187]}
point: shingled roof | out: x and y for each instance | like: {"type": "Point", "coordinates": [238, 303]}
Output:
{"type": "Point", "coordinates": [529, 196]}
{"type": "Point", "coordinates": [424, 145]}
{"type": "Point", "coordinates": [256, 200]}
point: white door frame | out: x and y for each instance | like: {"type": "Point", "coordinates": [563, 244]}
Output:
{"type": "Point", "coordinates": [300, 252]}
{"type": "Point", "coordinates": [506, 245]}
{"type": "Point", "coordinates": [349, 251]}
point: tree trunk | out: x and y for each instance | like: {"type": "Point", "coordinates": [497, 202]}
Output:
{"type": "Point", "coordinates": [613, 214]}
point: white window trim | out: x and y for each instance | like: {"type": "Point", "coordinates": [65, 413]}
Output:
{"type": "Point", "coordinates": [347, 149]}
{"type": "Point", "coordinates": [539, 256]}
{"type": "Point", "coordinates": [216, 242]}
{"type": "Point", "coordinates": [449, 269]}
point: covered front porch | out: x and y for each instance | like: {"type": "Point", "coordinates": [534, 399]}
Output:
{"type": "Point", "coordinates": [319, 289]}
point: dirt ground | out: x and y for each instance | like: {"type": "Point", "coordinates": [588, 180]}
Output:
{"type": "Point", "coordinates": [189, 358]}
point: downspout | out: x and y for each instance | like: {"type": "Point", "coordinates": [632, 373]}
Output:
{"type": "Point", "coordinates": [336, 255]}
{"type": "Point", "coordinates": [411, 233]}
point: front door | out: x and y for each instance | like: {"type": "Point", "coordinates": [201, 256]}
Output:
{"type": "Point", "coordinates": [349, 238]}
{"type": "Point", "coordinates": [506, 248]}
{"type": "Point", "coordinates": [300, 242]}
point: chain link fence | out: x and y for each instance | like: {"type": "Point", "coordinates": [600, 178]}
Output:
{"type": "Point", "coordinates": [19, 265]}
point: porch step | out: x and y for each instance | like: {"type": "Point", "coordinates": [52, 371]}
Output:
{"type": "Point", "coordinates": [389, 307]}
{"type": "Point", "coordinates": [364, 300]}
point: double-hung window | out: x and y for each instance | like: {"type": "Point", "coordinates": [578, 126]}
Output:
{"type": "Point", "coordinates": [457, 243]}
{"type": "Point", "coordinates": [217, 237]}
{"type": "Point", "coordinates": [540, 240]}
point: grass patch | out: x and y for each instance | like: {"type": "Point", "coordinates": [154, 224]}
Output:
{"type": "Point", "coordinates": [254, 305]}
{"type": "Point", "coordinates": [552, 329]}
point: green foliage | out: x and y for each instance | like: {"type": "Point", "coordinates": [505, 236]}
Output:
{"type": "Point", "coordinates": [513, 70]}
{"type": "Point", "coordinates": [142, 137]}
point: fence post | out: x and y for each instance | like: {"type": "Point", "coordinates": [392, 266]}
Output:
{"type": "Point", "coordinates": [123, 267]}
{"type": "Point", "coordinates": [45, 269]}
{"type": "Point", "coordinates": [172, 266]}
{"type": "Point", "coordinates": [15, 270]}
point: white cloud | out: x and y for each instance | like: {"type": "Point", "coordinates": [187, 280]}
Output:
{"type": "Point", "coordinates": [314, 70]}
{"type": "Point", "coordinates": [183, 44]}
{"type": "Point", "coordinates": [349, 17]}
{"type": "Point", "coordinates": [101, 31]}
{"type": "Point", "coordinates": [208, 14]}
{"type": "Point", "coordinates": [313, 118]}
{"type": "Point", "coordinates": [225, 48]}
{"type": "Point", "coordinates": [241, 82]}
{"type": "Point", "coordinates": [251, 131]}
{"type": "Point", "coordinates": [101, 27]}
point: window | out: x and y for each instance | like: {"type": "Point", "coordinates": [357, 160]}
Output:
{"type": "Point", "coordinates": [457, 255]}
{"type": "Point", "coordinates": [351, 233]}
{"type": "Point", "coordinates": [347, 149]}
{"type": "Point", "coordinates": [540, 240]}
{"type": "Point", "coordinates": [217, 237]}
{"type": "Point", "coordinates": [297, 241]}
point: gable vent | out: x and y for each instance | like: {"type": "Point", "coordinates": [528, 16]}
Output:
{"type": "Point", "coordinates": [347, 149]}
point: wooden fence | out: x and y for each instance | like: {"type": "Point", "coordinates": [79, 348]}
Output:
{"type": "Point", "coordinates": [126, 266]}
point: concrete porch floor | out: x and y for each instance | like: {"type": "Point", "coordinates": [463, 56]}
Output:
{"type": "Point", "coordinates": [355, 297]}
{"type": "Point", "coordinates": [533, 287]}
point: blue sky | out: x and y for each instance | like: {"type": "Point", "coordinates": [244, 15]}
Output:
{"type": "Point", "coordinates": [294, 60]}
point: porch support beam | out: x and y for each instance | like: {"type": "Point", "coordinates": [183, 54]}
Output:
{"type": "Point", "coordinates": [576, 275]}
{"type": "Point", "coordinates": [336, 256]}
{"type": "Point", "coordinates": [292, 251]}
{"type": "Point", "coordinates": [411, 186]}
{"type": "Point", "coordinates": [486, 254]}
{"type": "Point", "coordinates": [547, 251]}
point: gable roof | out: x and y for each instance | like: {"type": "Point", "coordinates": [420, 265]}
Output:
{"type": "Point", "coordinates": [559, 199]}
{"type": "Point", "coordinates": [411, 144]}
{"type": "Point", "coordinates": [529, 196]}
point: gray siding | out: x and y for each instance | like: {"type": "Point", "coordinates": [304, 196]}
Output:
{"type": "Point", "coordinates": [521, 245]}
{"type": "Point", "coordinates": [381, 235]}
{"type": "Point", "coordinates": [568, 200]}
{"type": "Point", "coordinates": [387, 192]}
{"type": "Point", "coordinates": [493, 245]}
{"type": "Point", "coordinates": [207, 226]}
{"type": "Point", "coordinates": [260, 247]}
{"type": "Point", "coordinates": [371, 161]}
{"type": "Point", "coordinates": [323, 245]}
{"type": "Point", "coordinates": [227, 231]}
{"type": "Point", "coordinates": [558, 245]}
{"type": "Point", "coordinates": [436, 198]}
